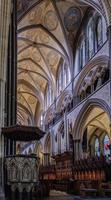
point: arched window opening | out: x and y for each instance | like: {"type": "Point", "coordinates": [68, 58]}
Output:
{"type": "Point", "coordinates": [41, 120]}
{"type": "Point", "coordinates": [49, 96]}
{"type": "Point", "coordinates": [60, 79]}
{"type": "Point", "coordinates": [99, 33]}
{"type": "Point", "coordinates": [90, 39]}
{"type": "Point", "coordinates": [97, 147]}
{"type": "Point", "coordinates": [82, 54]}
{"type": "Point", "coordinates": [66, 76]}
{"type": "Point", "coordinates": [63, 77]}
{"type": "Point", "coordinates": [106, 142]}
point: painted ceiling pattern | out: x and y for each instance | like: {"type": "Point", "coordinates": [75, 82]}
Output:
{"type": "Point", "coordinates": [46, 32]}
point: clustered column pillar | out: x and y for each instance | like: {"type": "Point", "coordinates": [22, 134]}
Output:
{"type": "Point", "coordinates": [5, 13]}
{"type": "Point", "coordinates": [11, 78]}
{"type": "Point", "coordinates": [109, 39]}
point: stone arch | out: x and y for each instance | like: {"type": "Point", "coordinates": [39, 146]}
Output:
{"type": "Point", "coordinates": [49, 115]}
{"type": "Point", "coordinates": [65, 98]}
{"type": "Point", "coordinates": [100, 60]}
{"type": "Point", "coordinates": [87, 107]}
{"type": "Point", "coordinates": [104, 8]}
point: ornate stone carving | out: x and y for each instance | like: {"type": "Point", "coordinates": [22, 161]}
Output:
{"type": "Point", "coordinates": [21, 170]}
{"type": "Point", "coordinates": [96, 73]}
{"type": "Point", "coordinates": [66, 101]}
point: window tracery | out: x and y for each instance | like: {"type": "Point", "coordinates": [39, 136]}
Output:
{"type": "Point", "coordinates": [90, 37]}
{"type": "Point", "coordinates": [49, 96]}
{"type": "Point", "coordinates": [63, 77]}
{"type": "Point", "coordinates": [98, 31]}
{"type": "Point", "coordinates": [82, 54]}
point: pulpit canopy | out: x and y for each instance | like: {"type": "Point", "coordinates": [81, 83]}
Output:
{"type": "Point", "coordinates": [22, 133]}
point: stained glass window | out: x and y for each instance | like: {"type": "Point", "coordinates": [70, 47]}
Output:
{"type": "Point", "coordinates": [97, 147]}
{"type": "Point", "coordinates": [106, 143]}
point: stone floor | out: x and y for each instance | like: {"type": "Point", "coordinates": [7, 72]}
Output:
{"type": "Point", "coordinates": [56, 195]}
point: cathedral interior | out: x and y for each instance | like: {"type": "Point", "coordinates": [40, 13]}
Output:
{"type": "Point", "coordinates": [55, 99]}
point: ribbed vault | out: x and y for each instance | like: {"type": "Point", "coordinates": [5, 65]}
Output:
{"type": "Point", "coordinates": [46, 33]}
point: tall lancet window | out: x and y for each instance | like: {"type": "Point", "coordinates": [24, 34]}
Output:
{"type": "Point", "coordinates": [97, 147]}
{"type": "Point", "coordinates": [49, 96]}
{"type": "Point", "coordinates": [63, 77]}
{"type": "Point", "coordinates": [90, 39]}
{"type": "Point", "coordinates": [106, 147]}
{"type": "Point", "coordinates": [82, 54]}
{"type": "Point", "coordinates": [99, 33]}
{"type": "Point", "coordinates": [66, 76]}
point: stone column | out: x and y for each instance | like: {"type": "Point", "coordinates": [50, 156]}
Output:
{"type": "Point", "coordinates": [76, 150]}
{"type": "Point", "coordinates": [80, 149]}
{"type": "Point", "coordinates": [11, 79]}
{"type": "Point", "coordinates": [5, 13]}
{"type": "Point", "coordinates": [78, 146]}
{"type": "Point", "coordinates": [52, 141]}
{"type": "Point", "coordinates": [109, 39]}
{"type": "Point", "coordinates": [73, 151]}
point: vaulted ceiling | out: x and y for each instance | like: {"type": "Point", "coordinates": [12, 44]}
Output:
{"type": "Point", "coordinates": [46, 34]}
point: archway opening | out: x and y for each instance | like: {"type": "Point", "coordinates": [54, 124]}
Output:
{"type": "Point", "coordinates": [95, 136]}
